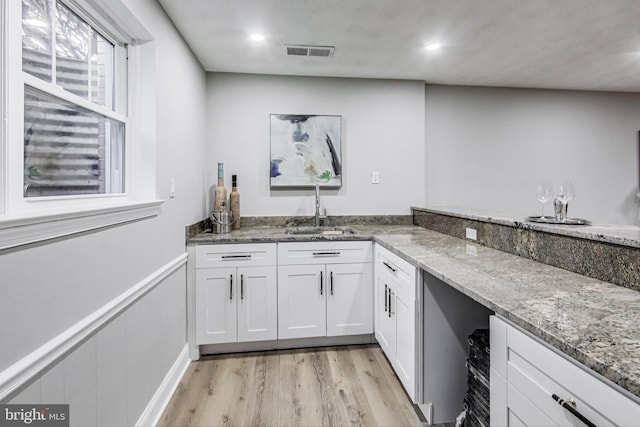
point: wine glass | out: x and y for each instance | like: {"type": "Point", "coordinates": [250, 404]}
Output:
{"type": "Point", "coordinates": [544, 194]}
{"type": "Point", "coordinates": [566, 191]}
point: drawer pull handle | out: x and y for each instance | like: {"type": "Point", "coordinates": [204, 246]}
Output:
{"type": "Point", "coordinates": [321, 280]}
{"type": "Point", "coordinates": [326, 253]}
{"type": "Point", "coordinates": [386, 292]}
{"type": "Point", "coordinates": [231, 287]}
{"type": "Point", "coordinates": [242, 286]}
{"type": "Point", "coordinates": [389, 267]}
{"type": "Point", "coordinates": [234, 257]}
{"type": "Point", "coordinates": [570, 406]}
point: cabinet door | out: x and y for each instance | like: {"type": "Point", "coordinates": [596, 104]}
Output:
{"type": "Point", "coordinates": [257, 304]}
{"type": "Point", "coordinates": [301, 301]}
{"type": "Point", "coordinates": [405, 359]}
{"type": "Point", "coordinates": [349, 299]}
{"type": "Point", "coordinates": [385, 324]}
{"type": "Point", "coordinates": [216, 306]}
{"type": "Point", "coordinates": [522, 412]}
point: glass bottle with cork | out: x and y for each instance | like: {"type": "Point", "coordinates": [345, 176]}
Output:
{"type": "Point", "coordinates": [234, 202]}
{"type": "Point", "coordinates": [220, 195]}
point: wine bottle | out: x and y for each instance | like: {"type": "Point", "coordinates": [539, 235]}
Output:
{"type": "Point", "coordinates": [220, 200]}
{"type": "Point", "coordinates": [234, 202]}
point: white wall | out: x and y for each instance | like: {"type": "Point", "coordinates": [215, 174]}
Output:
{"type": "Point", "coordinates": [49, 287]}
{"type": "Point", "coordinates": [383, 130]}
{"type": "Point", "coordinates": [486, 148]}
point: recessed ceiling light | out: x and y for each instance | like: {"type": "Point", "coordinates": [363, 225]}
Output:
{"type": "Point", "coordinates": [433, 46]}
{"type": "Point", "coordinates": [257, 37]}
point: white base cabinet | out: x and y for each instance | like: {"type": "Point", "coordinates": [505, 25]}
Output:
{"type": "Point", "coordinates": [350, 299]}
{"type": "Point", "coordinates": [396, 316]}
{"type": "Point", "coordinates": [236, 293]}
{"type": "Point", "coordinates": [526, 373]}
{"type": "Point", "coordinates": [324, 289]}
{"type": "Point", "coordinates": [301, 304]}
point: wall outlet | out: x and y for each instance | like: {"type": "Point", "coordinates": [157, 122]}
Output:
{"type": "Point", "coordinates": [375, 177]}
{"type": "Point", "coordinates": [471, 233]}
{"type": "Point", "coordinates": [172, 188]}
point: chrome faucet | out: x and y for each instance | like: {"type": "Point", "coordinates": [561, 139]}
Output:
{"type": "Point", "coordinates": [318, 216]}
{"type": "Point", "coordinates": [317, 223]}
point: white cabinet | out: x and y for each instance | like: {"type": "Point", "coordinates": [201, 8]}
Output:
{"type": "Point", "coordinates": [526, 373]}
{"type": "Point", "coordinates": [301, 301]}
{"type": "Point", "coordinates": [324, 289]}
{"type": "Point", "coordinates": [396, 316]}
{"type": "Point", "coordinates": [236, 293]}
{"type": "Point", "coordinates": [350, 299]}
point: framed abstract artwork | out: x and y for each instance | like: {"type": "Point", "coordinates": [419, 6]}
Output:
{"type": "Point", "coordinates": [305, 150]}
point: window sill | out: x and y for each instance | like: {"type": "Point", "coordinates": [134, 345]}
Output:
{"type": "Point", "coordinates": [27, 229]}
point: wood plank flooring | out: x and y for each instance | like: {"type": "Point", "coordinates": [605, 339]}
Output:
{"type": "Point", "coordinates": [328, 386]}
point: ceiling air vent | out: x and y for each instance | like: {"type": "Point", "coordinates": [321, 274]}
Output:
{"type": "Point", "coordinates": [319, 51]}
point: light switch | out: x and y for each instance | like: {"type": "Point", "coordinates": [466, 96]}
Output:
{"type": "Point", "coordinates": [172, 188]}
{"type": "Point", "coordinates": [375, 177]}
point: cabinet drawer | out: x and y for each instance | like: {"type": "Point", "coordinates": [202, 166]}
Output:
{"type": "Point", "coordinates": [235, 255]}
{"type": "Point", "coordinates": [402, 273]}
{"type": "Point", "coordinates": [323, 253]}
{"type": "Point", "coordinates": [538, 372]}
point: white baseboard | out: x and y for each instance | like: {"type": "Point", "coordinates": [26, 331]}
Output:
{"type": "Point", "coordinates": [162, 396]}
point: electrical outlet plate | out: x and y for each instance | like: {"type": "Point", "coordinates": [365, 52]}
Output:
{"type": "Point", "coordinates": [471, 233]}
{"type": "Point", "coordinates": [375, 177]}
{"type": "Point", "coordinates": [172, 188]}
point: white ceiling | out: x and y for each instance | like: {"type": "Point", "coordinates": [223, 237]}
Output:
{"type": "Point", "coordinates": [560, 44]}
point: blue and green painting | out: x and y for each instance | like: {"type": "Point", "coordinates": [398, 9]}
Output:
{"type": "Point", "coordinates": [305, 150]}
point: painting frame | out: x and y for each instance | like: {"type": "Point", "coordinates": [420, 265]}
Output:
{"type": "Point", "coordinates": [305, 149]}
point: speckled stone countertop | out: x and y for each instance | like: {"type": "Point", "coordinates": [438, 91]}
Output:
{"type": "Point", "coordinates": [596, 323]}
{"type": "Point", "coordinates": [626, 235]}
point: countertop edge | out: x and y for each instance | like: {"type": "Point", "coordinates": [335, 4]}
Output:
{"type": "Point", "coordinates": [595, 232]}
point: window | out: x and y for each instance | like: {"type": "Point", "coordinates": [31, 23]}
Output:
{"type": "Point", "coordinates": [69, 149]}
{"type": "Point", "coordinates": [77, 135]}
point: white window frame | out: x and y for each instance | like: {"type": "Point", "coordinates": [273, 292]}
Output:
{"type": "Point", "coordinates": [25, 220]}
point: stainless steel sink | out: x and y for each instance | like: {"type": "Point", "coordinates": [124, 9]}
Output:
{"type": "Point", "coordinates": [323, 231]}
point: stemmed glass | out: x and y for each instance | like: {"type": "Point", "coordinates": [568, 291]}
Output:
{"type": "Point", "coordinates": [544, 194]}
{"type": "Point", "coordinates": [566, 192]}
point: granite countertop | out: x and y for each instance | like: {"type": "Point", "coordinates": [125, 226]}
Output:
{"type": "Point", "coordinates": [596, 323]}
{"type": "Point", "coordinates": [625, 235]}
{"type": "Point", "coordinates": [278, 234]}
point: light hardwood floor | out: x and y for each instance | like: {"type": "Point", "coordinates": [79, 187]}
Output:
{"type": "Point", "coordinates": [328, 386]}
